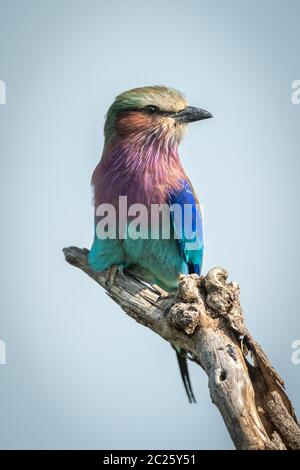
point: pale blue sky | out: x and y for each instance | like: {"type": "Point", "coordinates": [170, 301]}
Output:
{"type": "Point", "coordinates": [80, 373]}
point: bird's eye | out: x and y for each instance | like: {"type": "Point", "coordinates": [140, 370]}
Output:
{"type": "Point", "coordinates": [150, 109]}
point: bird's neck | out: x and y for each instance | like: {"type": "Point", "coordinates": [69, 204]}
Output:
{"type": "Point", "coordinates": [146, 171]}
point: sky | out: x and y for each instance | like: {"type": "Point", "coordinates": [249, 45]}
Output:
{"type": "Point", "coordinates": [79, 373]}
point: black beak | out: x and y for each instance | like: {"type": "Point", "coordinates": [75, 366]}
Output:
{"type": "Point", "coordinates": [191, 114]}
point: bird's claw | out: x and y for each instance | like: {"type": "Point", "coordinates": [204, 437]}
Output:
{"type": "Point", "coordinates": [167, 296]}
{"type": "Point", "coordinates": [110, 275]}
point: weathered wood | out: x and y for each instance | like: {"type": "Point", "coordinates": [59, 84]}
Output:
{"type": "Point", "coordinates": [206, 319]}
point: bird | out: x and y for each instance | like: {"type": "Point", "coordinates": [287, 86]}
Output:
{"type": "Point", "coordinates": [140, 161]}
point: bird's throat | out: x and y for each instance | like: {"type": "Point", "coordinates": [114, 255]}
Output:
{"type": "Point", "coordinates": [146, 171]}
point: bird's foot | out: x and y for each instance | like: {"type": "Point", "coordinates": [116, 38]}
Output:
{"type": "Point", "coordinates": [162, 293]}
{"type": "Point", "coordinates": [166, 295]}
{"type": "Point", "coordinates": [110, 275]}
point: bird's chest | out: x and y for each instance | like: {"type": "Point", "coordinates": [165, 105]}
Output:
{"type": "Point", "coordinates": [150, 188]}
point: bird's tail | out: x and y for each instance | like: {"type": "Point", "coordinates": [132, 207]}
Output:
{"type": "Point", "coordinates": [183, 366]}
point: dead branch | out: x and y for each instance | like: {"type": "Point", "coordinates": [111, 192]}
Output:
{"type": "Point", "coordinates": [205, 317]}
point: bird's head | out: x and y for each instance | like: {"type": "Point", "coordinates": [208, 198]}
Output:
{"type": "Point", "coordinates": [149, 114]}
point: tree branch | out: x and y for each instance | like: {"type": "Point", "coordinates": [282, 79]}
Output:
{"type": "Point", "coordinates": [206, 319]}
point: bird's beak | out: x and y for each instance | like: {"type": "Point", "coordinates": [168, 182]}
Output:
{"type": "Point", "coordinates": [191, 114]}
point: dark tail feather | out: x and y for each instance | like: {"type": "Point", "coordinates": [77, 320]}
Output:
{"type": "Point", "coordinates": [182, 361]}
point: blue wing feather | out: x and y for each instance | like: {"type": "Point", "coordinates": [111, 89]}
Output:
{"type": "Point", "coordinates": [188, 227]}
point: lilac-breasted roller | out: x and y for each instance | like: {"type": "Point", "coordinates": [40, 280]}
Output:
{"type": "Point", "coordinates": [140, 160]}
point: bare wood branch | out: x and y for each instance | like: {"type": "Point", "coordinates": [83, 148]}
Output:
{"type": "Point", "coordinates": [205, 317]}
